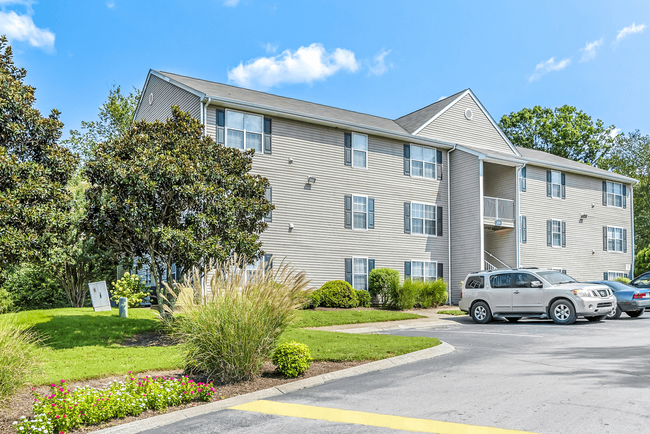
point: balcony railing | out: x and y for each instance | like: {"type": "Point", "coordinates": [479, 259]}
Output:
{"type": "Point", "coordinates": [499, 209]}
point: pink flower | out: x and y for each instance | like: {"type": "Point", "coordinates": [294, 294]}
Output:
{"type": "Point", "coordinates": [62, 381]}
{"type": "Point", "coordinates": [57, 416]}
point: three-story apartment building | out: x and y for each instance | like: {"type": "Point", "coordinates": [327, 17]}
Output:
{"type": "Point", "coordinates": [437, 193]}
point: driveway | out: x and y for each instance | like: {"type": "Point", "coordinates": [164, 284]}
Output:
{"type": "Point", "coordinates": [532, 376]}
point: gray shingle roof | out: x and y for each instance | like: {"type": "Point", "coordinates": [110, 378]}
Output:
{"type": "Point", "coordinates": [219, 90]}
{"type": "Point", "coordinates": [416, 119]}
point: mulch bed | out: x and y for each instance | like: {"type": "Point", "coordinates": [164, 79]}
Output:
{"type": "Point", "coordinates": [21, 404]}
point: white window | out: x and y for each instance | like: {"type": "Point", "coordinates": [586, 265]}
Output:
{"type": "Point", "coordinates": [423, 162]}
{"type": "Point", "coordinates": [615, 194]}
{"type": "Point", "coordinates": [556, 233]}
{"type": "Point", "coordinates": [423, 219]}
{"type": "Point", "coordinates": [556, 184]}
{"type": "Point", "coordinates": [614, 239]}
{"type": "Point", "coordinates": [559, 270]}
{"type": "Point", "coordinates": [359, 212]}
{"type": "Point", "coordinates": [359, 150]}
{"type": "Point", "coordinates": [244, 130]}
{"type": "Point", "coordinates": [612, 275]}
{"type": "Point", "coordinates": [360, 273]}
{"type": "Point", "coordinates": [424, 270]}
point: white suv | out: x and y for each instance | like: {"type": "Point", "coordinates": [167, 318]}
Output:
{"type": "Point", "coordinates": [534, 293]}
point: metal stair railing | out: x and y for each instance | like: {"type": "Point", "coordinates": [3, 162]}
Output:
{"type": "Point", "coordinates": [497, 260]}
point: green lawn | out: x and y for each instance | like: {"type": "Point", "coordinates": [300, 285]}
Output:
{"type": "Point", "coordinates": [79, 344]}
{"type": "Point", "coordinates": [456, 312]}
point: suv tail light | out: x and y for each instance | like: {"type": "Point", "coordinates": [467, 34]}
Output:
{"type": "Point", "coordinates": [639, 295]}
{"type": "Point", "coordinates": [461, 293]}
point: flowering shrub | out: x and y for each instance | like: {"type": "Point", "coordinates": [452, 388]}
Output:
{"type": "Point", "coordinates": [64, 410]}
{"type": "Point", "coordinates": [131, 287]}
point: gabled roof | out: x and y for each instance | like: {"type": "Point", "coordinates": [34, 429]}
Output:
{"type": "Point", "coordinates": [414, 120]}
{"type": "Point", "coordinates": [234, 93]}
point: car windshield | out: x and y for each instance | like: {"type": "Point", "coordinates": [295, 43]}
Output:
{"type": "Point", "coordinates": [642, 281]}
{"type": "Point", "coordinates": [616, 286]}
{"type": "Point", "coordinates": [553, 277]}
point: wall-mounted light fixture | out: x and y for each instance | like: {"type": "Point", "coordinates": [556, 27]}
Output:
{"type": "Point", "coordinates": [583, 216]}
{"type": "Point", "coordinates": [311, 180]}
{"type": "Point", "coordinates": [290, 160]}
{"type": "Point", "coordinates": [290, 226]}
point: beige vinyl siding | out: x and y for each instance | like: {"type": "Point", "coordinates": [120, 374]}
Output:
{"type": "Point", "coordinates": [453, 127]}
{"type": "Point", "coordinates": [319, 242]}
{"type": "Point", "coordinates": [466, 255]}
{"type": "Point", "coordinates": [165, 95]}
{"type": "Point", "coordinates": [583, 195]}
{"type": "Point", "coordinates": [500, 181]}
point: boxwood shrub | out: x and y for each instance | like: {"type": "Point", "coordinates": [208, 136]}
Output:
{"type": "Point", "coordinates": [383, 281]}
{"type": "Point", "coordinates": [363, 297]}
{"type": "Point", "coordinates": [292, 358]}
{"type": "Point", "coordinates": [338, 293]}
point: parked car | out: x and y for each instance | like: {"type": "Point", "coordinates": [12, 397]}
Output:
{"type": "Point", "coordinates": [629, 299]}
{"type": "Point", "coordinates": [533, 293]}
{"type": "Point", "coordinates": [641, 281]}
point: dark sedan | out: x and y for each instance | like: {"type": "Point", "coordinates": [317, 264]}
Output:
{"type": "Point", "coordinates": [631, 300]}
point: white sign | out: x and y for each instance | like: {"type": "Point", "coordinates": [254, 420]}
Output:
{"type": "Point", "coordinates": [99, 296]}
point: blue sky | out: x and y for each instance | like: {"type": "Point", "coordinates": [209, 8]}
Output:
{"type": "Point", "coordinates": [377, 57]}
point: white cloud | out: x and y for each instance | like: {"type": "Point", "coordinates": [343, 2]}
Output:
{"type": "Point", "coordinates": [549, 66]}
{"type": "Point", "coordinates": [441, 98]}
{"type": "Point", "coordinates": [22, 28]}
{"type": "Point", "coordinates": [615, 132]}
{"type": "Point", "coordinates": [379, 66]}
{"type": "Point", "coordinates": [589, 52]}
{"type": "Point", "coordinates": [271, 48]}
{"type": "Point", "coordinates": [110, 4]}
{"type": "Point", "coordinates": [305, 65]}
{"type": "Point", "coordinates": [230, 3]}
{"type": "Point", "coordinates": [630, 30]}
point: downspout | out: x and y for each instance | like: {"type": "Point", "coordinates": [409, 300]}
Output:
{"type": "Point", "coordinates": [518, 223]}
{"type": "Point", "coordinates": [481, 212]}
{"type": "Point", "coordinates": [631, 274]}
{"type": "Point", "coordinates": [204, 117]}
{"type": "Point", "coordinates": [449, 222]}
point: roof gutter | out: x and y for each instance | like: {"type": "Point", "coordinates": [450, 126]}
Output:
{"type": "Point", "coordinates": [608, 175]}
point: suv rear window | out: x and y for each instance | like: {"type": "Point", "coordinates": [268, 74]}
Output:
{"type": "Point", "coordinates": [475, 282]}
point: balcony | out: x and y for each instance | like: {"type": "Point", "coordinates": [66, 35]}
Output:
{"type": "Point", "coordinates": [498, 213]}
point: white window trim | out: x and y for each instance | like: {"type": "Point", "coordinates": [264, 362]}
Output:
{"type": "Point", "coordinates": [553, 245]}
{"type": "Point", "coordinates": [622, 240]}
{"type": "Point", "coordinates": [435, 165]}
{"type": "Point", "coordinates": [622, 274]}
{"type": "Point", "coordinates": [552, 184]}
{"type": "Point", "coordinates": [435, 268]}
{"type": "Point", "coordinates": [435, 219]}
{"type": "Point", "coordinates": [608, 193]}
{"type": "Point", "coordinates": [366, 151]}
{"type": "Point", "coordinates": [225, 130]}
{"type": "Point", "coordinates": [367, 273]}
{"type": "Point", "coordinates": [359, 229]}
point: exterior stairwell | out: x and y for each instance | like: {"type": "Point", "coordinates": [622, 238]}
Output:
{"type": "Point", "coordinates": [489, 264]}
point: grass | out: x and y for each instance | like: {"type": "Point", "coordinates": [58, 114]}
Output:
{"type": "Point", "coordinates": [456, 312]}
{"type": "Point", "coordinates": [319, 318]}
{"type": "Point", "coordinates": [81, 344]}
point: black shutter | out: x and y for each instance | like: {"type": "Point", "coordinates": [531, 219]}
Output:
{"type": "Point", "coordinates": [407, 217]}
{"type": "Point", "coordinates": [523, 178]}
{"type": "Point", "coordinates": [348, 149]}
{"type": "Point", "coordinates": [605, 238]}
{"type": "Point", "coordinates": [605, 275]}
{"type": "Point", "coordinates": [563, 234]}
{"type": "Point", "coordinates": [371, 213]}
{"type": "Point", "coordinates": [221, 118]}
{"type": "Point", "coordinates": [371, 265]}
{"type": "Point", "coordinates": [524, 235]}
{"type": "Point", "coordinates": [549, 233]}
{"type": "Point", "coordinates": [605, 193]}
{"type": "Point", "coordinates": [407, 159]}
{"type": "Point", "coordinates": [439, 221]}
{"type": "Point", "coordinates": [548, 183]}
{"type": "Point", "coordinates": [268, 263]}
{"type": "Point", "coordinates": [624, 240]}
{"type": "Point", "coordinates": [221, 121]}
{"type": "Point", "coordinates": [439, 166]}
{"type": "Point", "coordinates": [407, 270]}
{"type": "Point", "coordinates": [563, 271]}
{"type": "Point", "coordinates": [624, 196]}
{"type": "Point", "coordinates": [268, 195]}
{"type": "Point", "coordinates": [563, 187]}
{"type": "Point", "coordinates": [267, 136]}
{"type": "Point", "coordinates": [348, 211]}
{"type": "Point", "coordinates": [348, 270]}
{"type": "Point", "coordinates": [440, 276]}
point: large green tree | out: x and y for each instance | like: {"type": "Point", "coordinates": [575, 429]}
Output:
{"type": "Point", "coordinates": [564, 131]}
{"type": "Point", "coordinates": [34, 170]}
{"type": "Point", "coordinates": [166, 193]}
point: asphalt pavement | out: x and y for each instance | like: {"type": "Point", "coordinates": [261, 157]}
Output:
{"type": "Point", "coordinates": [532, 376]}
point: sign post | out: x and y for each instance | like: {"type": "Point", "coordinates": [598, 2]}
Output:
{"type": "Point", "coordinates": [99, 296]}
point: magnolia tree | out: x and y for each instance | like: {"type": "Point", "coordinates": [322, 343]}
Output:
{"type": "Point", "coordinates": [167, 194]}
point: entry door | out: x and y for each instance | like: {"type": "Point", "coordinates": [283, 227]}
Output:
{"type": "Point", "coordinates": [524, 297]}
{"type": "Point", "coordinates": [501, 292]}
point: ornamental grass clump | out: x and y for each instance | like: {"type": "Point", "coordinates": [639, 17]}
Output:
{"type": "Point", "coordinates": [238, 315]}
{"type": "Point", "coordinates": [63, 409]}
{"type": "Point", "coordinates": [17, 356]}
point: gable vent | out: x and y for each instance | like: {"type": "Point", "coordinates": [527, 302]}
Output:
{"type": "Point", "coordinates": [151, 101]}
{"type": "Point", "coordinates": [468, 114]}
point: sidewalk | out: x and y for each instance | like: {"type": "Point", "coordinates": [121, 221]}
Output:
{"type": "Point", "coordinates": [432, 320]}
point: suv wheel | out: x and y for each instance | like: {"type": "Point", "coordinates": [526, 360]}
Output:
{"type": "Point", "coordinates": [635, 313]}
{"type": "Point", "coordinates": [563, 312]}
{"type": "Point", "coordinates": [615, 313]}
{"type": "Point", "coordinates": [481, 313]}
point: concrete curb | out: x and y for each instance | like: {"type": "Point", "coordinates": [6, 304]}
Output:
{"type": "Point", "coordinates": [169, 418]}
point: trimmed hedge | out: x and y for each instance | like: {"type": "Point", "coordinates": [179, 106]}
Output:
{"type": "Point", "coordinates": [363, 297]}
{"type": "Point", "coordinates": [383, 281]}
{"type": "Point", "coordinates": [338, 293]}
{"type": "Point", "coordinates": [292, 358]}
